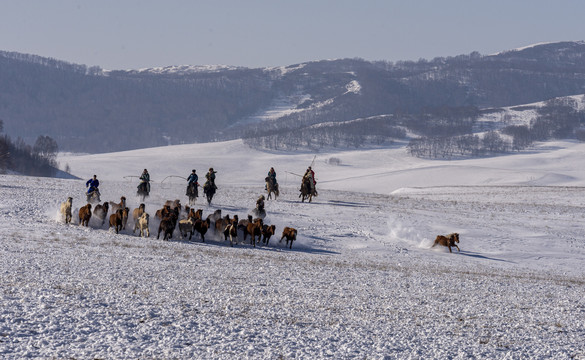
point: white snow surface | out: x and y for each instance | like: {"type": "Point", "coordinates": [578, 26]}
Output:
{"type": "Point", "coordinates": [181, 69]}
{"type": "Point", "coordinates": [353, 87]}
{"type": "Point", "coordinates": [361, 281]}
{"type": "Point", "coordinates": [533, 45]}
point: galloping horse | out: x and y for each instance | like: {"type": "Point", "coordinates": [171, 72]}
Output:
{"type": "Point", "coordinates": [306, 192]}
{"type": "Point", "coordinates": [192, 193]}
{"type": "Point", "coordinates": [209, 191]}
{"type": "Point", "coordinates": [143, 190]}
{"type": "Point", "coordinates": [449, 241]}
{"type": "Point", "coordinates": [271, 188]}
{"type": "Point", "coordinates": [93, 197]}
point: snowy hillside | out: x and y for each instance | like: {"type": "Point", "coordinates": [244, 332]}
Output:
{"type": "Point", "coordinates": [201, 103]}
{"type": "Point", "coordinates": [361, 281]}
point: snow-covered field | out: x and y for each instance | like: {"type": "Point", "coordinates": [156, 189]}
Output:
{"type": "Point", "coordinates": [361, 281]}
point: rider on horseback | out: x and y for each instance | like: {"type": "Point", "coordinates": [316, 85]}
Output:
{"type": "Point", "coordinates": [310, 174]}
{"type": "Point", "coordinates": [93, 192]}
{"type": "Point", "coordinates": [260, 203]}
{"type": "Point", "coordinates": [209, 186]}
{"type": "Point", "coordinates": [192, 183]}
{"type": "Point", "coordinates": [259, 211]}
{"type": "Point", "coordinates": [144, 182]}
{"type": "Point", "coordinates": [272, 177]}
{"type": "Point", "coordinates": [92, 185]}
{"type": "Point", "coordinates": [210, 183]}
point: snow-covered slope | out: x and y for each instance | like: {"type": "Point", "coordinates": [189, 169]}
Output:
{"type": "Point", "coordinates": [361, 281]}
{"type": "Point", "coordinates": [379, 170]}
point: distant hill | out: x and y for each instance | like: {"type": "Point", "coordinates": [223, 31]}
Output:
{"type": "Point", "coordinates": [333, 102]}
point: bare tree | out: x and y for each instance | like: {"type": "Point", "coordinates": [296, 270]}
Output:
{"type": "Point", "coordinates": [46, 147]}
{"type": "Point", "coordinates": [493, 142]}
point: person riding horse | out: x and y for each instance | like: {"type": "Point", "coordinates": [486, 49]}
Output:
{"type": "Point", "coordinates": [310, 175]}
{"type": "Point", "coordinates": [192, 184]}
{"type": "Point", "coordinates": [144, 185]}
{"type": "Point", "coordinates": [210, 183]}
{"type": "Point", "coordinates": [260, 203]}
{"type": "Point", "coordinates": [92, 185]}
{"type": "Point", "coordinates": [259, 210]}
{"type": "Point", "coordinates": [272, 178]}
{"type": "Point", "coordinates": [209, 187]}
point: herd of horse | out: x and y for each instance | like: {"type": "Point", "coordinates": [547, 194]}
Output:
{"type": "Point", "coordinates": [306, 193]}
{"type": "Point", "coordinates": [169, 220]}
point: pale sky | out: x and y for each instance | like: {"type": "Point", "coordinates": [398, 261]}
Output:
{"type": "Point", "coordinates": [134, 34]}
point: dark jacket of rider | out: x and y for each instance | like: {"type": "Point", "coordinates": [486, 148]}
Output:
{"type": "Point", "coordinates": [145, 177]}
{"type": "Point", "coordinates": [193, 178]}
{"type": "Point", "coordinates": [93, 184]}
{"type": "Point", "coordinates": [144, 181]}
{"type": "Point", "coordinates": [272, 175]}
{"type": "Point", "coordinates": [210, 176]}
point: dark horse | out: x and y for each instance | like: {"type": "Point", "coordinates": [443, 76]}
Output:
{"type": "Point", "coordinates": [209, 191]}
{"type": "Point", "coordinates": [306, 192]}
{"type": "Point", "coordinates": [192, 193]}
{"type": "Point", "coordinates": [271, 188]}
{"type": "Point", "coordinates": [93, 197]}
{"type": "Point", "coordinates": [143, 190]}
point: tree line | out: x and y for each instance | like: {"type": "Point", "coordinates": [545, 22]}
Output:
{"type": "Point", "coordinates": [36, 160]}
{"type": "Point", "coordinates": [557, 119]}
{"type": "Point", "coordinates": [373, 131]}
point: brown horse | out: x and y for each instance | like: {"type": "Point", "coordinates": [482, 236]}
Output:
{"type": "Point", "coordinates": [267, 232]}
{"type": "Point", "coordinates": [290, 234]}
{"type": "Point", "coordinates": [448, 241]}
{"type": "Point", "coordinates": [116, 220]}
{"type": "Point", "coordinates": [254, 229]}
{"type": "Point", "coordinates": [271, 188]}
{"type": "Point", "coordinates": [85, 215]}
{"type": "Point", "coordinates": [162, 213]}
{"type": "Point", "coordinates": [116, 206]}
